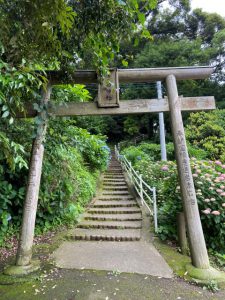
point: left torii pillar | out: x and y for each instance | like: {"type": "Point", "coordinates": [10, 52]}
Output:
{"type": "Point", "coordinates": [24, 263]}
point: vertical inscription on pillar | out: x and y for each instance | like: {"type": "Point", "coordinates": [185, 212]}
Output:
{"type": "Point", "coordinates": [182, 152]}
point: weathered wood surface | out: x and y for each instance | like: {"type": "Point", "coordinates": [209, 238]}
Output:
{"type": "Point", "coordinates": [127, 107]}
{"type": "Point", "coordinates": [132, 75]}
{"type": "Point", "coordinates": [181, 232]}
{"type": "Point", "coordinates": [198, 249]}
{"type": "Point", "coordinates": [24, 252]}
{"type": "Point", "coordinates": [108, 90]}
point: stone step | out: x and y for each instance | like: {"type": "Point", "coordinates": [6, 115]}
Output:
{"type": "Point", "coordinates": [118, 210]}
{"type": "Point", "coordinates": [114, 180]}
{"type": "Point", "coordinates": [112, 184]}
{"type": "Point", "coordinates": [115, 204]}
{"type": "Point", "coordinates": [116, 174]}
{"type": "Point", "coordinates": [113, 176]}
{"type": "Point", "coordinates": [115, 188]}
{"type": "Point", "coordinates": [105, 234]}
{"type": "Point", "coordinates": [116, 193]}
{"type": "Point", "coordinates": [110, 224]}
{"type": "Point", "coordinates": [118, 198]}
{"type": "Point", "coordinates": [114, 171]}
{"type": "Point", "coordinates": [113, 217]}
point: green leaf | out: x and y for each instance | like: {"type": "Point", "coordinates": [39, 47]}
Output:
{"type": "Point", "coordinates": [124, 63]}
{"type": "Point", "coordinates": [5, 114]}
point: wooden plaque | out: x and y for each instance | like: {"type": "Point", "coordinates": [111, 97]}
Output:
{"type": "Point", "coordinates": [108, 91]}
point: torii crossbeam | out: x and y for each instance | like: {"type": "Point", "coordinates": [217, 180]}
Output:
{"type": "Point", "coordinates": [108, 103]}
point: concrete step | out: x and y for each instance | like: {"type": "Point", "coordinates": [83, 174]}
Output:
{"type": "Point", "coordinates": [112, 184]}
{"type": "Point", "coordinates": [113, 217]}
{"type": "Point", "coordinates": [115, 188]}
{"type": "Point", "coordinates": [115, 193]}
{"type": "Point", "coordinates": [105, 234]}
{"type": "Point", "coordinates": [114, 173]}
{"type": "Point", "coordinates": [110, 224]}
{"type": "Point", "coordinates": [114, 181]}
{"type": "Point", "coordinates": [118, 198]}
{"type": "Point", "coordinates": [118, 210]}
{"type": "Point", "coordinates": [114, 203]}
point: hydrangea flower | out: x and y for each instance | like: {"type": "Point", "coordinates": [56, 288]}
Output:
{"type": "Point", "coordinates": [215, 212]}
{"type": "Point", "coordinates": [165, 168]}
{"type": "Point", "coordinates": [206, 211]}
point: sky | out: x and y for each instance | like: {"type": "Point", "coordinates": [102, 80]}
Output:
{"type": "Point", "coordinates": [217, 6]}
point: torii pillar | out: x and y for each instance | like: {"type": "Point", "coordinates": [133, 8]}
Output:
{"type": "Point", "coordinates": [198, 249]}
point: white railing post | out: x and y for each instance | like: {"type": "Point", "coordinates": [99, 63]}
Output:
{"type": "Point", "coordinates": [130, 170]}
{"type": "Point", "coordinates": [141, 189]}
{"type": "Point", "coordinates": [138, 182]}
{"type": "Point", "coordinates": [155, 209]}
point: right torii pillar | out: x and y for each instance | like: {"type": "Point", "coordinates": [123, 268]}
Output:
{"type": "Point", "coordinates": [198, 248]}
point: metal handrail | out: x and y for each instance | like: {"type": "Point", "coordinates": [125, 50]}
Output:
{"type": "Point", "coordinates": [142, 188]}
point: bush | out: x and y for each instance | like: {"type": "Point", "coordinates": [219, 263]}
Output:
{"type": "Point", "coordinates": [62, 197]}
{"type": "Point", "coordinates": [151, 151]}
{"type": "Point", "coordinates": [209, 179]}
{"type": "Point", "coordinates": [72, 162]}
{"type": "Point", "coordinates": [209, 133]}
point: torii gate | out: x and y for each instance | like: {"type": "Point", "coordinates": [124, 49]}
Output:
{"type": "Point", "coordinates": [108, 104]}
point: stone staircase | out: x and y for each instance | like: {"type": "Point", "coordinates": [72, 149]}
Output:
{"type": "Point", "coordinates": [115, 215]}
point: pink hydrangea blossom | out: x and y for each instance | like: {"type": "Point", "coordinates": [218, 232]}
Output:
{"type": "Point", "coordinates": [219, 191]}
{"type": "Point", "coordinates": [164, 168]}
{"type": "Point", "coordinates": [215, 212]}
{"type": "Point", "coordinates": [222, 187]}
{"type": "Point", "coordinates": [195, 175]}
{"type": "Point", "coordinates": [198, 171]}
{"type": "Point", "coordinates": [206, 200]}
{"type": "Point", "coordinates": [206, 211]}
{"type": "Point", "coordinates": [222, 194]}
{"type": "Point", "coordinates": [199, 182]}
{"type": "Point", "coordinates": [223, 166]}
{"type": "Point", "coordinates": [217, 162]}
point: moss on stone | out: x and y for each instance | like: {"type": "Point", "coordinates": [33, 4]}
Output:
{"type": "Point", "coordinates": [22, 270]}
{"type": "Point", "coordinates": [205, 276]}
{"type": "Point", "coordinates": [175, 260]}
{"type": "Point", "coordinates": [182, 267]}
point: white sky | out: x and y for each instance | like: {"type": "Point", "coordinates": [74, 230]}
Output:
{"type": "Point", "coordinates": [217, 6]}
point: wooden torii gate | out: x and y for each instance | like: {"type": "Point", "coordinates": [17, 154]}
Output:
{"type": "Point", "coordinates": [108, 104]}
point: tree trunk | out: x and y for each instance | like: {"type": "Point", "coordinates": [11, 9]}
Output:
{"type": "Point", "coordinates": [24, 252]}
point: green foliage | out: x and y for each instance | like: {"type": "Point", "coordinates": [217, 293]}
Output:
{"type": "Point", "coordinates": [209, 179]}
{"type": "Point", "coordinates": [153, 152]}
{"type": "Point", "coordinates": [209, 183]}
{"type": "Point", "coordinates": [62, 198]}
{"type": "Point", "coordinates": [131, 126]}
{"type": "Point", "coordinates": [209, 132]}
{"type": "Point", "coordinates": [72, 153]}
